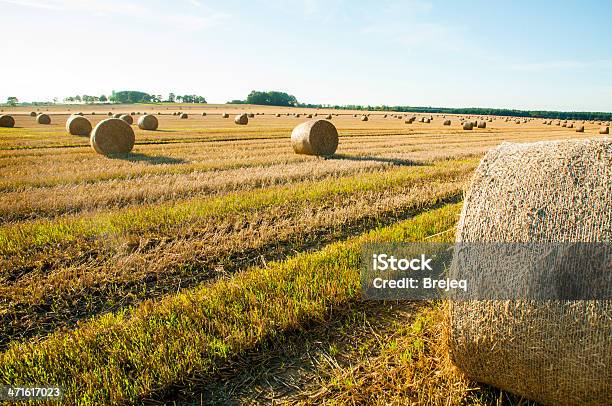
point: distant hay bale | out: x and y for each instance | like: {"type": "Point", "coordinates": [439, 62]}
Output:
{"type": "Point", "coordinates": [43, 118]}
{"type": "Point", "coordinates": [355, 115]}
{"type": "Point", "coordinates": [241, 119]}
{"type": "Point", "coordinates": [7, 121]}
{"type": "Point", "coordinates": [447, 122]}
{"type": "Point", "coordinates": [32, 114]}
{"type": "Point", "coordinates": [277, 115]}
{"type": "Point", "coordinates": [570, 125]}
{"type": "Point", "coordinates": [482, 124]}
{"type": "Point", "coordinates": [468, 125]}
{"type": "Point", "coordinates": [80, 113]}
{"type": "Point", "coordinates": [563, 125]}
{"type": "Point", "coordinates": [183, 116]}
{"type": "Point", "coordinates": [225, 115]}
{"type": "Point", "coordinates": [251, 115]}
{"type": "Point", "coordinates": [204, 114]}
{"type": "Point", "coordinates": [112, 136]}
{"type": "Point", "coordinates": [384, 116]}
{"type": "Point", "coordinates": [93, 113]}
{"type": "Point", "coordinates": [127, 118]}
{"type": "Point", "coordinates": [148, 122]}
{"type": "Point", "coordinates": [556, 352]}
{"type": "Point", "coordinates": [328, 117]}
{"type": "Point", "coordinates": [78, 125]}
{"type": "Point", "coordinates": [604, 130]}
{"type": "Point", "coordinates": [110, 114]}
{"type": "Point", "coordinates": [364, 118]}
{"type": "Point", "coordinates": [579, 128]}
{"type": "Point", "coordinates": [427, 121]}
{"type": "Point", "coordinates": [315, 137]}
{"type": "Point", "coordinates": [117, 115]}
{"type": "Point", "coordinates": [308, 115]}
{"type": "Point", "coordinates": [133, 114]}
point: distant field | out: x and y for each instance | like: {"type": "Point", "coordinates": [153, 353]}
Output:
{"type": "Point", "coordinates": [212, 263]}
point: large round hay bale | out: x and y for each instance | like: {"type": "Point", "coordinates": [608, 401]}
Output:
{"type": "Point", "coordinates": [127, 118]}
{"type": "Point", "coordinates": [7, 121]}
{"type": "Point", "coordinates": [241, 119]}
{"type": "Point", "coordinates": [579, 128]}
{"type": "Point", "coordinates": [315, 137]}
{"type": "Point", "coordinates": [112, 136]}
{"type": "Point", "coordinates": [148, 122]}
{"type": "Point", "coordinates": [468, 125]}
{"type": "Point", "coordinates": [78, 125]}
{"type": "Point", "coordinates": [364, 118]}
{"type": "Point", "coordinates": [43, 118]}
{"type": "Point", "coordinates": [32, 114]}
{"type": "Point", "coordinates": [225, 115]}
{"type": "Point", "coordinates": [482, 124]}
{"type": "Point", "coordinates": [447, 122]}
{"type": "Point", "coordinates": [556, 352]}
{"type": "Point", "coordinates": [183, 116]}
{"type": "Point", "coordinates": [604, 130]}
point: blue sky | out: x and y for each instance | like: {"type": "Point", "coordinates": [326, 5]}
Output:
{"type": "Point", "coordinates": [547, 55]}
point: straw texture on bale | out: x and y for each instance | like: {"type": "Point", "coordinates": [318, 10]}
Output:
{"type": "Point", "coordinates": [468, 125]}
{"type": "Point", "coordinates": [328, 117]}
{"type": "Point", "coordinates": [604, 130]}
{"type": "Point", "coordinates": [78, 125]}
{"type": "Point", "coordinates": [315, 137]}
{"type": "Point", "coordinates": [364, 118]}
{"type": "Point", "coordinates": [204, 114]}
{"type": "Point", "coordinates": [251, 115]}
{"type": "Point", "coordinates": [7, 121]}
{"type": "Point", "coordinates": [127, 118]}
{"type": "Point", "coordinates": [225, 115]}
{"type": "Point", "coordinates": [117, 115]}
{"type": "Point", "coordinates": [43, 118]}
{"type": "Point", "coordinates": [183, 115]}
{"type": "Point", "coordinates": [241, 119]}
{"type": "Point", "coordinates": [580, 129]}
{"type": "Point", "coordinates": [554, 352]}
{"type": "Point", "coordinates": [112, 136]}
{"type": "Point", "coordinates": [482, 124]}
{"type": "Point", "coordinates": [32, 114]}
{"type": "Point", "coordinates": [109, 114]}
{"type": "Point", "coordinates": [148, 122]}
{"type": "Point", "coordinates": [447, 122]}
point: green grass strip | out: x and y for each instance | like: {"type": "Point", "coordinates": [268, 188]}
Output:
{"type": "Point", "coordinates": [125, 356]}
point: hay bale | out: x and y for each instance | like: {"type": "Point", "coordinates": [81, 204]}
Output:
{"type": "Point", "coordinates": [225, 115]}
{"type": "Point", "coordinates": [43, 118]}
{"type": "Point", "coordinates": [328, 117]}
{"type": "Point", "coordinates": [7, 121]}
{"type": "Point", "coordinates": [427, 121]}
{"type": "Point", "coordinates": [364, 118]}
{"type": "Point", "coordinates": [468, 125]}
{"type": "Point", "coordinates": [117, 115]}
{"type": "Point", "coordinates": [80, 113]}
{"type": "Point", "coordinates": [604, 130]}
{"type": "Point", "coordinates": [482, 124]}
{"type": "Point", "coordinates": [579, 128]}
{"type": "Point", "coordinates": [112, 136]}
{"type": "Point", "coordinates": [110, 114]}
{"type": "Point", "coordinates": [554, 352]}
{"type": "Point", "coordinates": [127, 118]}
{"type": "Point", "coordinates": [241, 119]}
{"type": "Point", "coordinates": [148, 122]}
{"type": "Point", "coordinates": [32, 114]}
{"type": "Point", "coordinates": [308, 115]}
{"type": "Point", "coordinates": [315, 137]}
{"type": "Point", "coordinates": [277, 115]}
{"type": "Point", "coordinates": [251, 115]}
{"type": "Point", "coordinates": [570, 125]}
{"type": "Point", "coordinates": [446, 122]}
{"type": "Point", "coordinates": [563, 125]}
{"type": "Point", "coordinates": [203, 114]}
{"type": "Point", "coordinates": [183, 116]}
{"type": "Point", "coordinates": [78, 125]}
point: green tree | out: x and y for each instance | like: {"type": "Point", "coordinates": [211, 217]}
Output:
{"type": "Point", "coordinates": [271, 98]}
{"type": "Point", "coordinates": [171, 97]}
{"type": "Point", "coordinates": [12, 100]}
{"type": "Point", "coordinates": [103, 99]}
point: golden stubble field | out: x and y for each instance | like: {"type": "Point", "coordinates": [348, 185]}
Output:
{"type": "Point", "coordinates": [214, 264]}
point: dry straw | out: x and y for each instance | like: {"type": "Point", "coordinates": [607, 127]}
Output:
{"type": "Point", "coordinates": [43, 118]}
{"type": "Point", "coordinates": [7, 121]}
{"type": "Point", "coordinates": [148, 122]}
{"type": "Point", "coordinates": [554, 352]}
{"type": "Point", "coordinates": [482, 124]}
{"type": "Point", "coordinates": [604, 130]}
{"type": "Point", "coordinates": [127, 118]}
{"type": "Point", "coordinates": [112, 136]}
{"type": "Point", "coordinates": [241, 119]}
{"type": "Point", "coordinates": [315, 137]}
{"type": "Point", "coordinates": [468, 125]}
{"type": "Point", "coordinates": [579, 128]}
{"type": "Point", "coordinates": [78, 125]}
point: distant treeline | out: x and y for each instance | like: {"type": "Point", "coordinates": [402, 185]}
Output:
{"type": "Point", "coordinates": [269, 98]}
{"type": "Point", "coordinates": [480, 111]}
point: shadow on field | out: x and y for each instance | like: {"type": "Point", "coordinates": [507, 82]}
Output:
{"type": "Point", "coordinates": [150, 159]}
{"type": "Point", "coordinates": [394, 161]}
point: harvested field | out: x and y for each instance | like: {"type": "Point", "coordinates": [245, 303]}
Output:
{"type": "Point", "coordinates": [215, 259]}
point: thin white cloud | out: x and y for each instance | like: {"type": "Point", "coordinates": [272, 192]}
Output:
{"type": "Point", "coordinates": [543, 66]}
{"type": "Point", "coordinates": [205, 18]}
